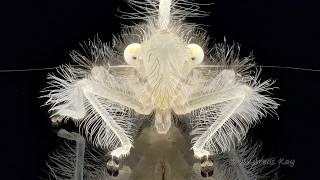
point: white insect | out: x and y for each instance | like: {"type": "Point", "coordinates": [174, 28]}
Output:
{"type": "Point", "coordinates": [160, 68]}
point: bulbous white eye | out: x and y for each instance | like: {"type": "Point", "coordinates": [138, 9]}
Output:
{"type": "Point", "coordinates": [132, 53]}
{"type": "Point", "coordinates": [196, 52]}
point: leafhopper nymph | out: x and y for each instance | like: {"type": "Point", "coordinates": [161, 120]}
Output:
{"type": "Point", "coordinates": [137, 102]}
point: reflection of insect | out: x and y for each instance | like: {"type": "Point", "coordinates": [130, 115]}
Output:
{"type": "Point", "coordinates": [168, 73]}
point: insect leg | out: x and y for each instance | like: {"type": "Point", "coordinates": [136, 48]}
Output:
{"type": "Point", "coordinates": [91, 102]}
{"type": "Point", "coordinates": [223, 117]}
{"type": "Point", "coordinates": [114, 127]}
{"type": "Point", "coordinates": [205, 141]}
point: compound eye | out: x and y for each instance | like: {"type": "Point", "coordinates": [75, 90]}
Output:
{"type": "Point", "coordinates": [132, 53]}
{"type": "Point", "coordinates": [196, 52]}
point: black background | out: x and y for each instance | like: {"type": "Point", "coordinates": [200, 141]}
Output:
{"type": "Point", "coordinates": [36, 34]}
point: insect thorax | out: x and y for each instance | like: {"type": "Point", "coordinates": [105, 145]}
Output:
{"type": "Point", "coordinates": [163, 61]}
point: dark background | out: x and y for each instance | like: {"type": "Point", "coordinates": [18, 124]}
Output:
{"type": "Point", "coordinates": [36, 34]}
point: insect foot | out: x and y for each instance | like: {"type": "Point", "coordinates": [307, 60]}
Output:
{"type": "Point", "coordinates": [56, 120]}
{"type": "Point", "coordinates": [200, 153]}
{"type": "Point", "coordinates": [207, 167]}
{"type": "Point", "coordinates": [113, 166]}
{"type": "Point", "coordinates": [121, 151]}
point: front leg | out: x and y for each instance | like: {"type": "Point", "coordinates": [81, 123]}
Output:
{"type": "Point", "coordinates": [234, 102]}
{"type": "Point", "coordinates": [100, 106]}
{"type": "Point", "coordinates": [89, 92]}
{"type": "Point", "coordinates": [222, 111]}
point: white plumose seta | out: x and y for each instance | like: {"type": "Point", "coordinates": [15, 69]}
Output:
{"type": "Point", "coordinates": [161, 66]}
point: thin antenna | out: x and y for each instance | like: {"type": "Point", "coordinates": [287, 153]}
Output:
{"type": "Point", "coordinates": [164, 13]}
{"type": "Point", "coordinates": [292, 68]}
{"type": "Point", "coordinates": [277, 67]}
{"type": "Point", "coordinates": [27, 70]}
{"type": "Point", "coordinates": [201, 66]}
